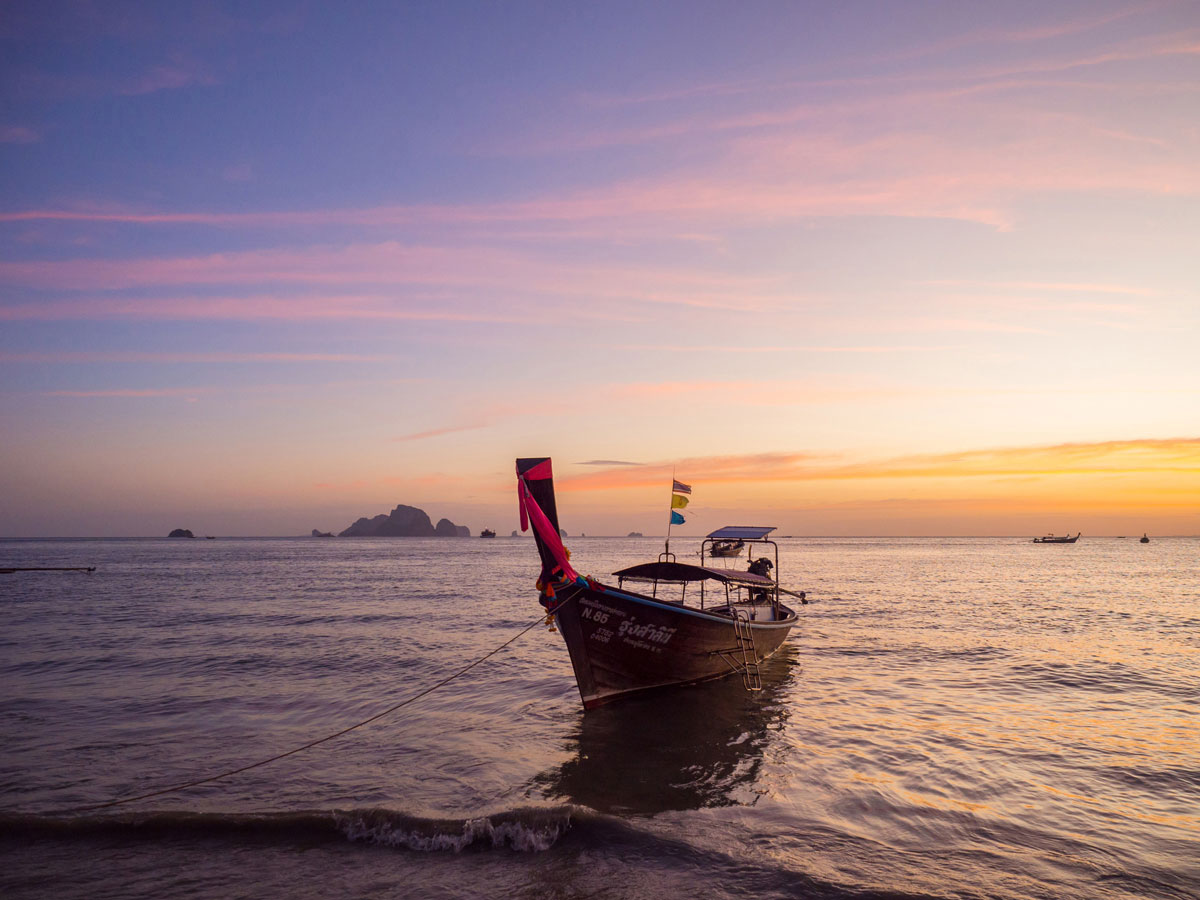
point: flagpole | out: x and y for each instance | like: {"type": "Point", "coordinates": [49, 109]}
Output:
{"type": "Point", "coordinates": [670, 510]}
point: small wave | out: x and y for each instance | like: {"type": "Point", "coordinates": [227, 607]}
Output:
{"type": "Point", "coordinates": [1103, 677]}
{"type": "Point", "coordinates": [525, 830]}
{"type": "Point", "coordinates": [1159, 781]}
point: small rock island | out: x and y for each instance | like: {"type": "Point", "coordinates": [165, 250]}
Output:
{"type": "Point", "coordinates": [181, 532]}
{"type": "Point", "coordinates": [405, 521]}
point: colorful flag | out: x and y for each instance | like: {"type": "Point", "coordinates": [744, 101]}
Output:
{"type": "Point", "coordinates": [676, 518]}
{"type": "Point", "coordinates": [679, 487]}
{"type": "Point", "coordinates": [678, 502]}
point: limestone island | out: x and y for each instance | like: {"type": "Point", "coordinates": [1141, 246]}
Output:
{"type": "Point", "coordinates": [181, 532]}
{"type": "Point", "coordinates": [318, 533]}
{"type": "Point", "coordinates": [405, 521]}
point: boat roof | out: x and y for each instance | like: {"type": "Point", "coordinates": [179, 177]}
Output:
{"type": "Point", "coordinates": [742, 532]}
{"type": "Point", "coordinates": [684, 572]}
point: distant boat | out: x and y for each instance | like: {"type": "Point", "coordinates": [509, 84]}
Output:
{"type": "Point", "coordinates": [487, 533]}
{"type": "Point", "coordinates": [1064, 539]}
{"type": "Point", "coordinates": [719, 544]}
{"type": "Point", "coordinates": [1144, 539]}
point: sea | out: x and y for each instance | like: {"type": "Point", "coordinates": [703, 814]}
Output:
{"type": "Point", "coordinates": [951, 718]}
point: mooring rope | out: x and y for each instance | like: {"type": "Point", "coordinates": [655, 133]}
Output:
{"type": "Point", "coordinates": [329, 737]}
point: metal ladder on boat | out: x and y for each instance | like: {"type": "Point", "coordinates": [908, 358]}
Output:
{"type": "Point", "coordinates": [745, 641]}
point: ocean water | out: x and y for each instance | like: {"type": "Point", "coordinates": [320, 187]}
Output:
{"type": "Point", "coordinates": [951, 719]}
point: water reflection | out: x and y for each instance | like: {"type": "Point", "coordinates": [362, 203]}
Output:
{"type": "Point", "coordinates": [681, 749]}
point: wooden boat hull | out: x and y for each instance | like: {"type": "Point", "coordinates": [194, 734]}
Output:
{"type": "Point", "coordinates": [622, 644]}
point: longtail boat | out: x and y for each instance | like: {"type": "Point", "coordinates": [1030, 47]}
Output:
{"type": "Point", "coordinates": [623, 642]}
{"type": "Point", "coordinates": [720, 547]}
{"type": "Point", "coordinates": [1061, 539]}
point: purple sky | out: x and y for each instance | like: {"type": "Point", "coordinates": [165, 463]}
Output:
{"type": "Point", "coordinates": [913, 268]}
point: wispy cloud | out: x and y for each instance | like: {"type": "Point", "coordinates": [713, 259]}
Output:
{"type": "Point", "coordinates": [440, 432]}
{"type": "Point", "coordinates": [120, 356]}
{"type": "Point", "coordinates": [800, 160]}
{"type": "Point", "coordinates": [251, 307]}
{"type": "Point", "coordinates": [744, 393]}
{"type": "Point", "coordinates": [188, 392]}
{"type": "Point", "coordinates": [1033, 33]}
{"type": "Point", "coordinates": [608, 462]}
{"type": "Point", "coordinates": [758, 87]}
{"type": "Point", "coordinates": [522, 280]}
{"type": "Point", "coordinates": [786, 348]}
{"type": "Point", "coordinates": [1046, 286]}
{"type": "Point", "coordinates": [1180, 455]}
{"type": "Point", "coordinates": [1153, 456]}
{"type": "Point", "coordinates": [19, 134]}
{"type": "Point", "coordinates": [239, 172]}
{"type": "Point", "coordinates": [174, 73]}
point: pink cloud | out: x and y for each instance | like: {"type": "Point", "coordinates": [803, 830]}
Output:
{"type": "Point", "coordinates": [511, 287]}
{"type": "Point", "coordinates": [177, 72]}
{"type": "Point", "coordinates": [247, 308]}
{"type": "Point", "coordinates": [238, 172]}
{"type": "Point", "coordinates": [794, 348]}
{"type": "Point", "coordinates": [758, 87]}
{"type": "Point", "coordinates": [746, 393]}
{"type": "Point", "coordinates": [145, 357]}
{"type": "Point", "coordinates": [1052, 286]}
{"type": "Point", "coordinates": [766, 171]}
{"type": "Point", "coordinates": [134, 392]}
{"type": "Point", "coordinates": [1034, 33]}
{"type": "Point", "coordinates": [439, 432]}
{"type": "Point", "coordinates": [18, 134]}
{"type": "Point", "coordinates": [936, 152]}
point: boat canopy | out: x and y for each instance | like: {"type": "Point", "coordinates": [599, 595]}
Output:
{"type": "Point", "coordinates": [742, 532]}
{"type": "Point", "coordinates": [685, 572]}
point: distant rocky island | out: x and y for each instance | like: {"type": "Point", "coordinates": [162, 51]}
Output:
{"type": "Point", "coordinates": [318, 533]}
{"type": "Point", "coordinates": [405, 521]}
{"type": "Point", "coordinates": [181, 532]}
{"type": "Point", "coordinates": [635, 534]}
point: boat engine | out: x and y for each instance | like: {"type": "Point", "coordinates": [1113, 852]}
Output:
{"type": "Point", "coordinates": [761, 566]}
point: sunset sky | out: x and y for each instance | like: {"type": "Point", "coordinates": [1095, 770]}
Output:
{"type": "Point", "coordinates": [848, 268]}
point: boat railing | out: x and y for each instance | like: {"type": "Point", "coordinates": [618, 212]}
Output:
{"type": "Point", "coordinates": [772, 593]}
{"type": "Point", "coordinates": [654, 584]}
{"type": "Point", "coordinates": [734, 593]}
{"type": "Point", "coordinates": [745, 641]}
